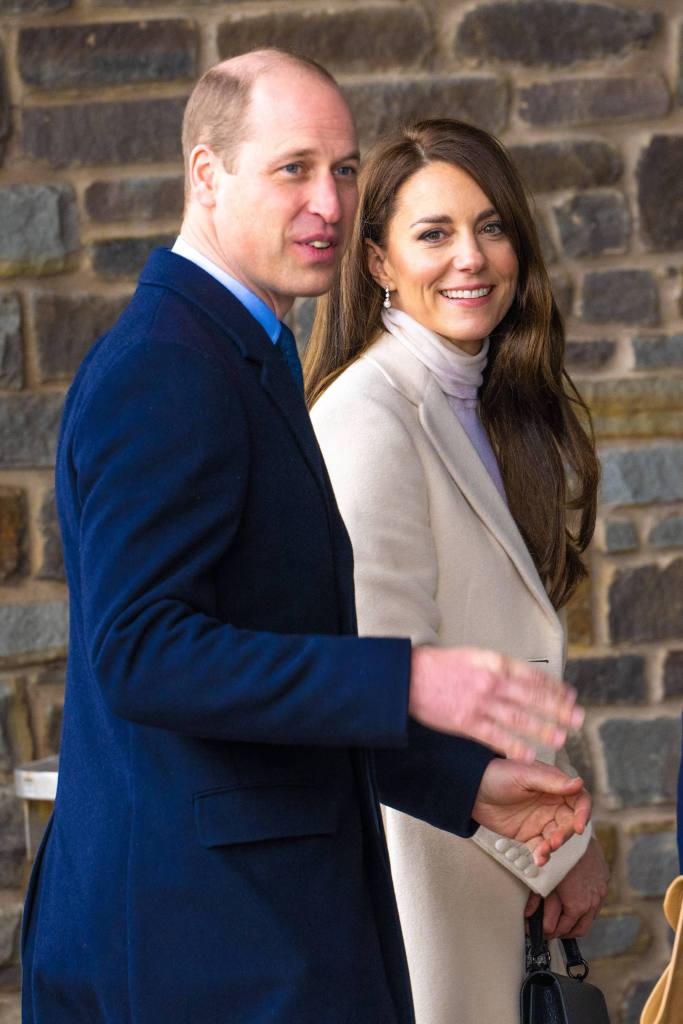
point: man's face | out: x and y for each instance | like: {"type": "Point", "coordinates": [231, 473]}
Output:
{"type": "Point", "coordinates": [284, 209]}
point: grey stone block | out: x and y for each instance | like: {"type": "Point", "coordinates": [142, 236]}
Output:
{"type": "Point", "coordinates": [586, 100]}
{"type": "Point", "coordinates": [556, 32]}
{"type": "Point", "coordinates": [10, 920]}
{"type": "Point", "coordinates": [623, 296]}
{"type": "Point", "coordinates": [620, 536]}
{"type": "Point", "coordinates": [619, 680]}
{"type": "Point", "coordinates": [366, 35]}
{"type": "Point", "coordinates": [646, 603]}
{"type": "Point", "coordinates": [589, 355]}
{"type": "Point", "coordinates": [634, 1001]}
{"type": "Point", "coordinates": [642, 759]}
{"type": "Point", "coordinates": [5, 106]}
{"type": "Point", "coordinates": [39, 228]}
{"type": "Point", "coordinates": [66, 325]}
{"type": "Point", "coordinates": [580, 758]}
{"type": "Point", "coordinates": [32, 628]}
{"type": "Point", "coordinates": [381, 105]}
{"type": "Point", "coordinates": [592, 224]}
{"type": "Point", "coordinates": [11, 351]}
{"type": "Point", "coordinates": [143, 131]}
{"type": "Point", "coordinates": [29, 426]}
{"type": "Point", "coordinates": [12, 842]}
{"type": "Point", "coordinates": [107, 53]}
{"type": "Point", "coordinates": [614, 936]}
{"type": "Point", "coordinates": [52, 567]}
{"type": "Point", "coordinates": [6, 759]}
{"type": "Point", "coordinates": [134, 199]}
{"type": "Point", "coordinates": [673, 674]}
{"type": "Point", "coordinates": [660, 192]}
{"type": "Point", "coordinates": [642, 476]}
{"type": "Point", "coordinates": [13, 531]}
{"type": "Point", "coordinates": [655, 350]}
{"type": "Point", "coordinates": [667, 533]}
{"type": "Point", "coordinates": [581, 164]}
{"type": "Point", "coordinates": [125, 257]}
{"type": "Point", "coordinates": [652, 862]}
{"type": "Point", "coordinates": [32, 6]}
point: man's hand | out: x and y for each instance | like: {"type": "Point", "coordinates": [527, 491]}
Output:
{"type": "Point", "coordinates": [569, 910]}
{"type": "Point", "coordinates": [536, 804]}
{"type": "Point", "coordinates": [510, 705]}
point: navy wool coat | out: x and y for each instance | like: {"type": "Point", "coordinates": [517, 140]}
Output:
{"type": "Point", "coordinates": [216, 854]}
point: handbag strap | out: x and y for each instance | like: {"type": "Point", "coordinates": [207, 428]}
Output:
{"type": "Point", "coordinates": [539, 954]}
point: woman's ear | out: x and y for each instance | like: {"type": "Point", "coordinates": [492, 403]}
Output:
{"type": "Point", "coordinates": [376, 263]}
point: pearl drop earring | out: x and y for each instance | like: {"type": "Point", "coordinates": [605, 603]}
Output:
{"type": "Point", "coordinates": [387, 298]}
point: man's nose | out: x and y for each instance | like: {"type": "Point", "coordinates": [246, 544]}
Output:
{"type": "Point", "coordinates": [324, 198]}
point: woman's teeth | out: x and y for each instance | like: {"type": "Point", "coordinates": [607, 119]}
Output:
{"type": "Point", "coordinates": [466, 293]}
{"type": "Point", "coordinates": [320, 245]}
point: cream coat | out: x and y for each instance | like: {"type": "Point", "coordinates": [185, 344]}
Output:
{"type": "Point", "coordinates": [439, 558]}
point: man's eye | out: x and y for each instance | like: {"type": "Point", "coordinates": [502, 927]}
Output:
{"type": "Point", "coordinates": [292, 168]}
{"type": "Point", "coordinates": [347, 171]}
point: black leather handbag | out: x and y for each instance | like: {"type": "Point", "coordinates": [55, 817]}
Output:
{"type": "Point", "coordinates": [550, 998]}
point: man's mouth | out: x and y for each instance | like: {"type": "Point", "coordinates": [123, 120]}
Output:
{"type": "Point", "coordinates": [467, 293]}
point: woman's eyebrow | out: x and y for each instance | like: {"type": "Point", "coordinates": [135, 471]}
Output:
{"type": "Point", "coordinates": [443, 218]}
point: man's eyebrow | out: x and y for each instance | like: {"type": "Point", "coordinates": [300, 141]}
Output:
{"type": "Point", "coordinates": [300, 154]}
{"type": "Point", "coordinates": [443, 218]}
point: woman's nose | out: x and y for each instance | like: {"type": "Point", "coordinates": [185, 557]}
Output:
{"type": "Point", "coordinates": [468, 254]}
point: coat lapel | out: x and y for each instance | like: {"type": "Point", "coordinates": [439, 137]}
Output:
{"type": "Point", "coordinates": [461, 459]}
{"type": "Point", "coordinates": [167, 270]}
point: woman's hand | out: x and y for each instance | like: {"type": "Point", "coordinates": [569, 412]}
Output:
{"type": "Point", "coordinates": [536, 804]}
{"type": "Point", "coordinates": [510, 705]}
{"type": "Point", "coordinates": [570, 909]}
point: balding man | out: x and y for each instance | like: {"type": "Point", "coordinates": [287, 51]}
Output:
{"type": "Point", "coordinates": [216, 853]}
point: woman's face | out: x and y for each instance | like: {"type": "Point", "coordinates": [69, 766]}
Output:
{"type": "Point", "coordinates": [447, 261]}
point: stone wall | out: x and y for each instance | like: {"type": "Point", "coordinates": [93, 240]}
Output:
{"type": "Point", "coordinates": [589, 97]}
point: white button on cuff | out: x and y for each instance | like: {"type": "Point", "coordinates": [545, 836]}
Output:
{"type": "Point", "coordinates": [531, 871]}
{"type": "Point", "coordinates": [502, 845]}
{"type": "Point", "coordinates": [523, 861]}
{"type": "Point", "coordinates": [512, 853]}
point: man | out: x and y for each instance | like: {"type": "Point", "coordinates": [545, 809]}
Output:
{"type": "Point", "coordinates": [216, 852]}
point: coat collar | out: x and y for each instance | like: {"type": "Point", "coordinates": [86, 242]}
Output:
{"type": "Point", "coordinates": [412, 379]}
{"type": "Point", "coordinates": [165, 269]}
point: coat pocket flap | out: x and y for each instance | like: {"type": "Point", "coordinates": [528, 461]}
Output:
{"type": "Point", "coordinates": [229, 816]}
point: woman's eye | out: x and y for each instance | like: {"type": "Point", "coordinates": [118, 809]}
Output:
{"type": "Point", "coordinates": [494, 227]}
{"type": "Point", "coordinates": [434, 235]}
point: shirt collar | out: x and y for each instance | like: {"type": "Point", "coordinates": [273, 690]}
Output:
{"type": "Point", "coordinates": [256, 306]}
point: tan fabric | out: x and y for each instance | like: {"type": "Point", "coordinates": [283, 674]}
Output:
{"type": "Point", "coordinates": [665, 1003]}
{"type": "Point", "coordinates": [439, 558]}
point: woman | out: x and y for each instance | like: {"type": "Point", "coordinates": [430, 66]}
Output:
{"type": "Point", "coordinates": [468, 485]}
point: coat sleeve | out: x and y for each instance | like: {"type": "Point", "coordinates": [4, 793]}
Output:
{"type": "Point", "coordinates": [381, 491]}
{"type": "Point", "coordinates": [159, 466]}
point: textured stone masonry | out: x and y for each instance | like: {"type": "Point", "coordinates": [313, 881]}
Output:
{"type": "Point", "coordinates": [140, 131]}
{"type": "Point", "coordinates": [11, 354]}
{"type": "Point", "coordinates": [39, 229]}
{"type": "Point", "coordinates": [65, 326]}
{"type": "Point", "coordinates": [103, 54]}
{"type": "Point", "coordinates": [355, 38]}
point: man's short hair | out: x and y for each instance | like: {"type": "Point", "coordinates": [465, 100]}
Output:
{"type": "Point", "coordinates": [217, 110]}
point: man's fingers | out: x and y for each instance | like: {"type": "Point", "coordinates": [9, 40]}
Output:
{"type": "Point", "coordinates": [522, 721]}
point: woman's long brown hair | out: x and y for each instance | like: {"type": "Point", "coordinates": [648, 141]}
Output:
{"type": "Point", "coordinates": [537, 422]}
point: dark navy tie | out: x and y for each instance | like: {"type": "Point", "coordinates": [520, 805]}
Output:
{"type": "Point", "coordinates": [287, 346]}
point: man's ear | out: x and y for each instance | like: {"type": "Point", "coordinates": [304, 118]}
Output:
{"type": "Point", "coordinates": [202, 175]}
{"type": "Point", "coordinates": [377, 264]}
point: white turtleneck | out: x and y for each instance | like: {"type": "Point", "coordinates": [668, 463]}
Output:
{"type": "Point", "coordinates": [458, 375]}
